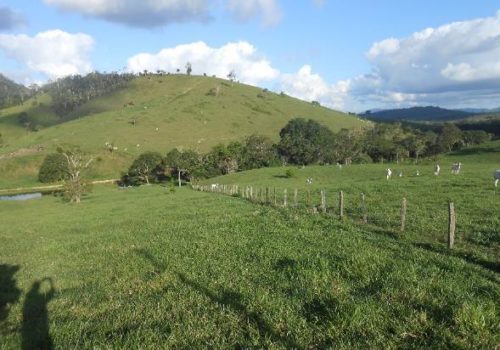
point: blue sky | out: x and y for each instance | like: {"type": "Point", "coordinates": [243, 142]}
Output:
{"type": "Point", "coordinates": [350, 55]}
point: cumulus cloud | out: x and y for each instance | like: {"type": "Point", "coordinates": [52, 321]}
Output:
{"type": "Point", "coordinates": [309, 86]}
{"type": "Point", "coordinates": [53, 53]}
{"type": "Point", "coordinates": [242, 57]}
{"type": "Point", "coordinates": [10, 19]}
{"type": "Point", "coordinates": [460, 60]}
{"type": "Point", "coordinates": [145, 13]}
{"type": "Point", "coordinates": [247, 9]}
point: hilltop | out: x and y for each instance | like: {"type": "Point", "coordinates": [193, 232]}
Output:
{"type": "Point", "coordinates": [154, 112]}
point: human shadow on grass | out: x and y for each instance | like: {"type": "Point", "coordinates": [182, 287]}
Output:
{"type": "Point", "coordinates": [234, 301]}
{"type": "Point", "coordinates": [9, 293]}
{"type": "Point", "coordinates": [159, 266]}
{"type": "Point", "coordinates": [35, 328]}
{"type": "Point", "coordinates": [470, 258]}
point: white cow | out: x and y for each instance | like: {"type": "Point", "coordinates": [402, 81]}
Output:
{"type": "Point", "coordinates": [388, 174]}
{"type": "Point", "coordinates": [309, 180]}
{"type": "Point", "coordinates": [496, 176]}
{"type": "Point", "coordinates": [455, 168]}
{"type": "Point", "coordinates": [437, 169]}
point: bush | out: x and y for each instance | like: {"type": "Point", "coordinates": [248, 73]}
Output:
{"type": "Point", "coordinates": [289, 173]}
{"type": "Point", "coordinates": [54, 168]}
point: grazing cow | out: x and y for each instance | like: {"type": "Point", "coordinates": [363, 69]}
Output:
{"type": "Point", "coordinates": [418, 173]}
{"type": "Point", "coordinates": [455, 168]}
{"type": "Point", "coordinates": [437, 169]}
{"type": "Point", "coordinates": [388, 174]}
{"type": "Point", "coordinates": [339, 165]}
{"type": "Point", "coordinates": [309, 180]}
{"type": "Point", "coordinates": [496, 176]}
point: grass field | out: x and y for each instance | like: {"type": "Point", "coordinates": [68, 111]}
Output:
{"type": "Point", "coordinates": [150, 267]}
{"type": "Point", "coordinates": [170, 111]}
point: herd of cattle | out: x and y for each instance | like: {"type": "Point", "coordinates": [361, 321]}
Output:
{"type": "Point", "coordinates": [455, 169]}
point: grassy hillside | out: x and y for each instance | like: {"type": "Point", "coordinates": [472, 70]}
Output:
{"type": "Point", "coordinates": [148, 268]}
{"type": "Point", "coordinates": [170, 111]}
{"type": "Point", "coordinates": [427, 195]}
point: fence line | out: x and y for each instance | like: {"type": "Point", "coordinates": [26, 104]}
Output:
{"type": "Point", "coordinates": [268, 196]}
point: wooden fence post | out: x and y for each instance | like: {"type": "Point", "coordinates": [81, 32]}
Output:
{"type": "Point", "coordinates": [363, 208]}
{"type": "Point", "coordinates": [285, 198]}
{"type": "Point", "coordinates": [323, 201]}
{"type": "Point", "coordinates": [403, 214]}
{"type": "Point", "coordinates": [451, 225]}
{"type": "Point", "coordinates": [267, 196]}
{"type": "Point", "coordinates": [295, 198]}
{"type": "Point", "coordinates": [341, 204]}
{"type": "Point", "coordinates": [275, 197]}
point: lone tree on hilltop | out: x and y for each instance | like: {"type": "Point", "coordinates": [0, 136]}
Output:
{"type": "Point", "coordinates": [189, 68]}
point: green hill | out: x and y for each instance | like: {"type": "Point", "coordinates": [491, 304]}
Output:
{"type": "Point", "coordinates": [151, 113]}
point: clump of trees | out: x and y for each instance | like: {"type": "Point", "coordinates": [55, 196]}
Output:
{"type": "Point", "coordinates": [67, 165]}
{"type": "Point", "coordinates": [147, 168]}
{"type": "Point", "coordinates": [302, 142]}
{"type": "Point", "coordinates": [70, 92]}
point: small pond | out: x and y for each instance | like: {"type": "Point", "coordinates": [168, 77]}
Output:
{"type": "Point", "coordinates": [21, 197]}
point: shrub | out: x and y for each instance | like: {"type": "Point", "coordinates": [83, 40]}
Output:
{"type": "Point", "coordinates": [54, 168]}
{"type": "Point", "coordinates": [289, 173]}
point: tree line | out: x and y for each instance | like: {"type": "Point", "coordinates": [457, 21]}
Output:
{"type": "Point", "coordinates": [302, 142]}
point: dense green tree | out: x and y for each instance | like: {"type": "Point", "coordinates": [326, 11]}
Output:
{"type": "Point", "coordinates": [450, 137]}
{"type": "Point", "coordinates": [54, 168]}
{"type": "Point", "coordinates": [147, 168]}
{"type": "Point", "coordinates": [474, 137]}
{"type": "Point", "coordinates": [348, 146]}
{"type": "Point", "coordinates": [258, 152]}
{"type": "Point", "coordinates": [306, 142]}
{"type": "Point", "coordinates": [185, 164]}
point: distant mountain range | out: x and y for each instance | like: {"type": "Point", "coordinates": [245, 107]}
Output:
{"type": "Point", "coordinates": [428, 113]}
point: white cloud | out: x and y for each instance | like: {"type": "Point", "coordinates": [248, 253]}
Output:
{"type": "Point", "coordinates": [247, 9]}
{"type": "Point", "coordinates": [10, 19]}
{"type": "Point", "coordinates": [306, 85]}
{"type": "Point", "coordinates": [242, 57]}
{"type": "Point", "coordinates": [457, 63]}
{"type": "Point", "coordinates": [145, 13]}
{"type": "Point", "coordinates": [53, 53]}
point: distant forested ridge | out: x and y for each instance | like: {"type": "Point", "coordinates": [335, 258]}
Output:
{"type": "Point", "coordinates": [428, 113]}
{"type": "Point", "coordinates": [12, 93]}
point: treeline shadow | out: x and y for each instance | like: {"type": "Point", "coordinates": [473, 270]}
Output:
{"type": "Point", "coordinates": [470, 258]}
{"type": "Point", "coordinates": [234, 301]}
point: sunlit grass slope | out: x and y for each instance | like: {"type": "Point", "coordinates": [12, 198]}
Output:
{"type": "Point", "coordinates": [476, 200]}
{"type": "Point", "coordinates": [170, 111]}
{"type": "Point", "coordinates": [148, 268]}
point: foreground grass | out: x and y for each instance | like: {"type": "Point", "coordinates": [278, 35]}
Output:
{"type": "Point", "coordinates": [475, 198]}
{"type": "Point", "coordinates": [148, 268]}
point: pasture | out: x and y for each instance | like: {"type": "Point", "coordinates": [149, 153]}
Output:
{"type": "Point", "coordinates": [153, 267]}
